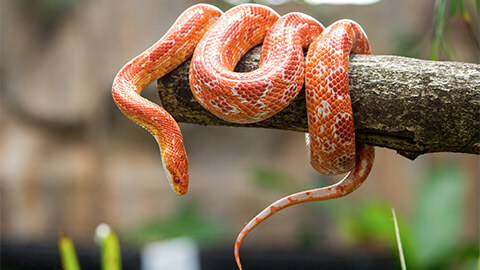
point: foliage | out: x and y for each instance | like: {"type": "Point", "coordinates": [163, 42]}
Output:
{"type": "Point", "coordinates": [439, 201]}
{"type": "Point", "coordinates": [440, 41]}
{"type": "Point", "coordinates": [430, 237]}
{"type": "Point", "coordinates": [187, 221]}
{"type": "Point", "coordinates": [110, 250]}
{"type": "Point", "coordinates": [268, 179]}
{"type": "Point", "coordinates": [367, 222]}
{"type": "Point", "coordinates": [111, 259]}
{"type": "Point", "coordinates": [68, 255]}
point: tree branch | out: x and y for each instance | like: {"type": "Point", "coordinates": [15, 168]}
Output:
{"type": "Point", "coordinates": [410, 105]}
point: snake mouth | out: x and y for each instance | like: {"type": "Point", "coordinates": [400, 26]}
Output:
{"type": "Point", "coordinates": [179, 185]}
{"type": "Point", "coordinates": [180, 191]}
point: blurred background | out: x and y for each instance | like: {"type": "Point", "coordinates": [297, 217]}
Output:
{"type": "Point", "coordinates": [71, 161]}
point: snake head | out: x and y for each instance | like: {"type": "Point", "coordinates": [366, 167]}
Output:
{"type": "Point", "coordinates": [176, 169]}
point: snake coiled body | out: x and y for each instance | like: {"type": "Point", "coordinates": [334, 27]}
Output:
{"type": "Point", "coordinates": [217, 42]}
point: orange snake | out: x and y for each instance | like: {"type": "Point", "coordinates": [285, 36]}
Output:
{"type": "Point", "coordinates": [217, 42]}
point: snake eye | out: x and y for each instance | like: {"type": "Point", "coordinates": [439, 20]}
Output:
{"type": "Point", "coordinates": [179, 185]}
{"type": "Point", "coordinates": [176, 179]}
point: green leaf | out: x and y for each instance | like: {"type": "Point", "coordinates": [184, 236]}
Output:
{"type": "Point", "coordinates": [453, 7]}
{"type": "Point", "coordinates": [458, 7]}
{"type": "Point", "coordinates": [111, 256]}
{"type": "Point", "coordinates": [187, 221]}
{"type": "Point", "coordinates": [463, 12]}
{"type": "Point", "coordinates": [437, 224]}
{"type": "Point", "coordinates": [273, 180]}
{"type": "Point", "coordinates": [370, 221]}
{"type": "Point", "coordinates": [68, 254]}
{"type": "Point", "coordinates": [438, 27]}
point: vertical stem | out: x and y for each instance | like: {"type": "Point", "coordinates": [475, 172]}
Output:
{"type": "Point", "coordinates": [68, 255]}
{"type": "Point", "coordinates": [399, 242]}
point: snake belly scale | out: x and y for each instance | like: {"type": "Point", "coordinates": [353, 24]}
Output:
{"type": "Point", "coordinates": [216, 41]}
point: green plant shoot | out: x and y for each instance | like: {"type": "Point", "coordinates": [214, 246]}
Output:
{"type": "Point", "coordinates": [68, 255]}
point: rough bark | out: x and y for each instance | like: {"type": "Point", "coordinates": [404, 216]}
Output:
{"type": "Point", "coordinates": [410, 105]}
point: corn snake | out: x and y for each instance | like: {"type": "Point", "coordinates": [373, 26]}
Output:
{"type": "Point", "coordinates": [217, 41]}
